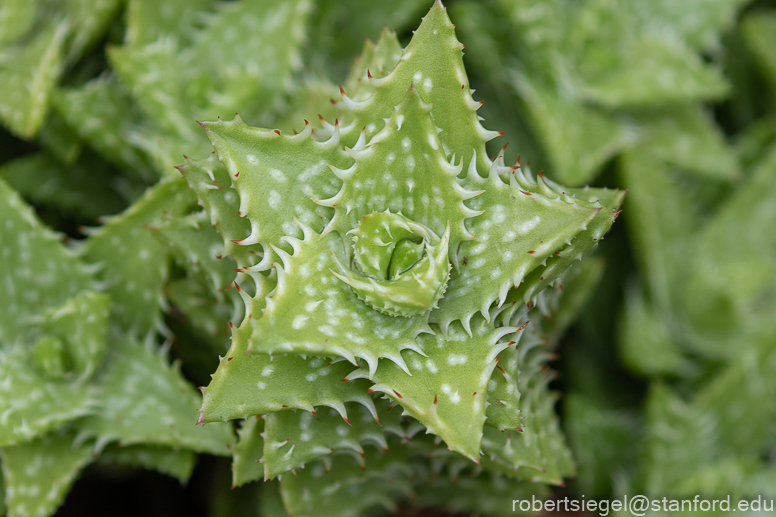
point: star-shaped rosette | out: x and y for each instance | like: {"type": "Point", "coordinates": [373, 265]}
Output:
{"type": "Point", "coordinates": [377, 251]}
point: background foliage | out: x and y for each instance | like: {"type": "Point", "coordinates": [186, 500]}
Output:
{"type": "Point", "coordinates": [668, 372]}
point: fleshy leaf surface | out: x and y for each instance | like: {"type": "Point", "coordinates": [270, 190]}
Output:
{"type": "Point", "coordinates": [85, 187]}
{"type": "Point", "coordinates": [376, 60]}
{"type": "Point", "coordinates": [433, 62]}
{"type": "Point", "coordinates": [147, 20]}
{"type": "Point", "coordinates": [210, 180]}
{"type": "Point", "coordinates": [144, 400]}
{"type": "Point", "coordinates": [36, 269]}
{"type": "Point", "coordinates": [132, 262]}
{"type": "Point", "coordinates": [245, 384]}
{"type": "Point", "coordinates": [293, 438]}
{"type": "Point", "coordinates": [103, 115]}
{"type": "Point", "coordinates": [326, 317]}
{"type": "Point", "coordinates": [578, 138]}
{"type": "Point", "coordinates": [277, 178]}
{"type": "Point", "coordinates": [404, 168]}
{"type": "Point", "coordinates": [38, 474]}
{"type": "Point", "coordinates": [346, 490]}
{"type": "Point", "coordinates": [199, 248]}
{"type": "Point", "coordinates": [446, 388]}
{"type": "Point", "coordinates": [32, 404]}
{"type": "Point", "coordinates": [178, 463]}
{"type": "Point", "coordinates": [247, 453]}
{"type": "Point", "coordinates": [503, 411]}
{"type": "Point", "coordinates": [82, 325]}
{"type": "Point", "coordinates": [28, 75]}
{"type": "Point", "coordinates": [517, 232]}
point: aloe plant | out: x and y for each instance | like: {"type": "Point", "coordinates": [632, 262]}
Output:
{"type": "Point", "coordinates": [381, 292]}
{"type": "Point", "coordinates": [385, 261]}
{"type": "Point", "coordinates": [388, 257]}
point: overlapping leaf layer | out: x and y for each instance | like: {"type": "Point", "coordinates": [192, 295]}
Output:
{"type": "Point", "coordinates": [366, 283]}
{"type": "Point", "coordinates": [309, 219]}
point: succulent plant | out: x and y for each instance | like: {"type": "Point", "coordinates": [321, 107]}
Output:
{"type": "Point", "coordinates": [378, 274]}
{"type": "Point", "coordinates": [421, 284]}
{"type": "Point", "coordinates": [383, 261]}
{"type": "Point", "coordinates": [74, 386]}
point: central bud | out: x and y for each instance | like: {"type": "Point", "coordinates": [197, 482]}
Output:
{"type": "Point", "coordinates": [400, 266]}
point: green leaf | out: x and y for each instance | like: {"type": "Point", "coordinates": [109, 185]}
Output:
{"type": "Point", "coordinates": [510, 451]}
{"type": "Point", "coordinates": [38, 474]}
{"type": "Point", "coordinates": [210, 180]}
{"type": "Point", "coordinates": [578, 284]}
{"type": "Point", "coordinates": [82, 325]}
{"type": "Point", "coordinates": [345, 489]}
{"type": "Point", "coordinates": [16, 18]}
{"type": "Point", "coordinates": [50, 358]}
{"type": "Point", "coordinates": [102, 114]}
{"type": "Point", "coordinates": [274, 171]}
{"type": "Point", "coordinates": [503, 411]}
{"type": "Point", "coordinates": [541, 24]}
{"type": "Point", "coordinates": [199, 248]}
{"type": "Point", "coordinates": [85, 188]}
{"type": "Point", "coordinates": [28, 74]}
{"type": "Point", "coordinates": [270, 501]}
{"type": "Point", "coordinates": [309, 97]}
{"type": "Point", "coordinates": [208, 314]}
{"type": "Point", "coordinates": [252, 384]}
{"type": "Point", "coordinates": [661, 219]}
{"type": "Point", "coordinates": [561, 261]}
{"type": "Point", "coordinates": [339, 27]}
{"type": "Point", "coordinates": [376, 59]}
{"type": "Point", "coordinates": [486, 494]}
{"type": "Point", "coordinates": [688, 138]}
{"type": "Point", "coordinates": [578, 139]}
{"type": "Point", "coordinates": [446, 386]}
{"type": "Point", "coordinates": [732, 276]}
{"type": "Point", "coordinates": [753, 144]}
{"type": "Point", "coordinates": [646, 341]}
{"type": "Point", "coordinates": [36, 270]}
{"type": "Point", "coordinates": [325, 317]}
{"type": "Point", "coordinates": [602, 441]}
{"type": "Point", "coordinates": [624, 57]}
{"type": "Point", "coordinates": [247, 453]}
{"type": "Point", "coordinates": [31, 402]}
{"type": "Point", "coordinates": [174, 83]}
{"type": "Point", "coordinates": [557, 461]}
{"type": "Point", "coordinates": [679, 439]}
{"type": "Point", "coordinates": [173, 462]}
{"type": "Point", "coordinates": [132, 262]}
{"type": "Point", "coordinates": [744, 392]}
{"type": "Point", "coordinates": [147, 20]}
{"type": "Point", "coordinates": [90, 20]}
{"type": "Point", "coordinates": [516, 233]}
{"type": "Point", "coordinates": [433, 63]}
{"type": "Point", "coordinates": [270, 32]}
{"type": "Point", "coordinates": [44, 383]}
{"type": "Point", "coordinates": [144, 401]}
{"type": "Point", "coordinates": [758, 31]}
{"type": "Point", "coordinates": [404, 168]}
{"type": "Point", "coordinates": [153, 74]}
{"type": "Point", "coordinates": [59, 140]}
{"type": "Point", "coordinates": [660, 73]}
{"type": "Point", "coordinates": [37, 51]}
{"type": "Point", "coordinates": [698, 22]}
{"type": "Point", "coordinates": [294, 438]}
{"type": "Point", "coordinates": [538, 452]}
